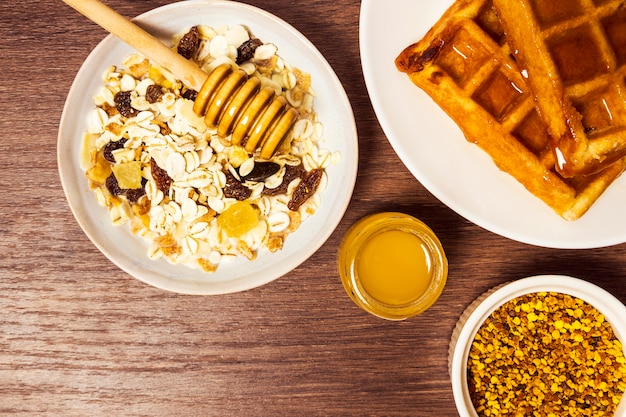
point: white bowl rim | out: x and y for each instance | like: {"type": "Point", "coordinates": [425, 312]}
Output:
{"type": "Point", "coordinates": [477, 312]}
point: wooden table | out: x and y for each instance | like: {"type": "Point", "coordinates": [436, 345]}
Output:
{"type": "Point", "coordinates": [78, 337]}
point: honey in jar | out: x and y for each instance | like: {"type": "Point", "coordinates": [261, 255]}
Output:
{"type": "Point", "coordinates": [392, 265]}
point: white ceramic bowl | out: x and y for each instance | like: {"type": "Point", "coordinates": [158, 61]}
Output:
{"type": "Point", "coordinates": [130, 252]}
{"type": "Point", "coordinates": [477, 312]}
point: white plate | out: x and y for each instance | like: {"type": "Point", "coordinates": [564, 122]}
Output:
{"type": "Point", "coordinates": [476, 313]}
{"type": "Point", "coordinates": [130, 252]}
{"type": "Point", "coordinates": [455, 171]}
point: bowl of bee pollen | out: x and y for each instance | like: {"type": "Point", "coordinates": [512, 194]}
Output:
{"type": "Point", "coordinates": [546, 345]}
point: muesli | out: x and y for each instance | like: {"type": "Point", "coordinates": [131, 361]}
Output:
{"type": "Point", "coordinates": [195, 197]}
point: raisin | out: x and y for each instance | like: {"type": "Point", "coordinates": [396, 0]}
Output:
{"type": "Point", "coordinates": [122, 104]}
{"type": "Point", "coordinates": [189, 94]}
{"type": "Point", "coordinates": [294, 171]}
{"type": "Point", "coordinates": [153, 93]}
{"type": "Point", "coordinates": [189, 43]}
{"type": "Point", "coordinates": [235, 189]}
{"type": "Point", "coordinates": [305, 189]}
{"type": "Point", "coordinates": [291, 173]}
{"type": "Point", "coordinates": [245, 51]}
{"type": "Point", "coordinates": [134, 195]}
{"type": "Point", "coordinates": [113, 186]}
{"type": "Point", "coordinates": [163, 181]}
{"type": "Point", "coordinates": [107, 151]}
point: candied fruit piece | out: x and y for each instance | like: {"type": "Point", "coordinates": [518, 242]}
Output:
{"type": "Point", "coordinates": [238, 219]}
{"type": "Point", "coordinates": [128, 174]}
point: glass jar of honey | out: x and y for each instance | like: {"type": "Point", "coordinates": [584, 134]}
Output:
{"type": "Point", "coordinates": [392, 265]}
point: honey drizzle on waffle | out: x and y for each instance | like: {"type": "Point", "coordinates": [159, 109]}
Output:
{"type": "Point", "coordinates": [465, 64]}
{"type": "Point", "coordinates": [575, 55]}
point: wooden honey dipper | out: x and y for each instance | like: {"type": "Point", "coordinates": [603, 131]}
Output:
{"type": "Point", "coordinates": [229, 100]}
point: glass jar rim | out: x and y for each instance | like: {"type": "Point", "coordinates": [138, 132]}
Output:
{"type": "Point", "coordinates": [355, 239]}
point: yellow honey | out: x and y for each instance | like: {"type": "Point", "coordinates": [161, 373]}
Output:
{"type": "Point", "coordinates": [392, 265]}
{"type": "Point", "coordinates": [395, 267]}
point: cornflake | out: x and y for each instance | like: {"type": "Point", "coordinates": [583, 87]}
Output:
{"type": "Point", "coordinates": [183, 171]}
{"type": "Point", "coordinates": [546, 354]}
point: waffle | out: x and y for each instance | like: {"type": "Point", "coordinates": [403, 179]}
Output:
{"type": "Point", "coordinates": [465, 65]}
{"type": "Point", "coordinates": [575, 55]}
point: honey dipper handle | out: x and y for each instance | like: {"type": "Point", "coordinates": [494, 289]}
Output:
{"type": "Point", "coordinates": [149, 46]}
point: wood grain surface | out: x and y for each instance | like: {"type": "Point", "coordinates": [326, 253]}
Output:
{"type": "Point", "coordinates": [79, 337]}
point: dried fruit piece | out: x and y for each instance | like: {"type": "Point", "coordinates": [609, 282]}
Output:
{"type": "Point", "coordinates": [245, 52]}
{"type": "Point", "coordinates": [112, 186]}
{"type": "Point", "coordinates": [128, 174]}
{"type": "Point", "coordinates": [136, 193]}
{"type": "Point", "coordinates": [291, 173]}
{"type": "Point", "coordinates": [122, 104]}
{"type": "Point", "coordinates": [189, 43]}
{"type": "Point", "coordinates": [188, 93]}
{"type": "Point", "coordinates": [305, 189]}
{"type": "Point", "coordinates": [153, 93]}
{"type": "Point", "coordinates": [163, 181]}
{"type": "Point", "coordinates": [238, 219]}
{"type": "Point", "coordinates": [133, 195]}
{"type": "Point", "coordinates": [107, 151]}
{"type": "Point", "coordinates": [235, 189]}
